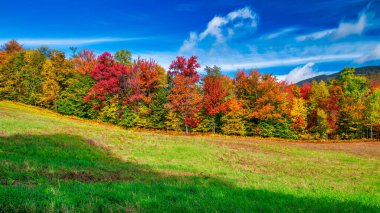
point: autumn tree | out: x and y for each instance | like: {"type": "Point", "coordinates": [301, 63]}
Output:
{"type": "Point", "coordinates": [150, 77]}
{"type": "Point", "coordinates": [233, 122]}
{"type": "Point", "coordinates": [246, 91]}
{"type": "Point", "coordinates": [31, 73]}
{"type": "Point", "coordinates": [185, 99]}
{"type": "Point", "coordinates": [71, 98]}
{"type": "Point", "coordinates": [332, 107]}
{"type": "Point", "coordinates": [215, 87]}
{"type": "Point", "coordinates": [317, 106]}
{"type": "Point", "coordinates": [264, 99]}
{"type": "Point", "coordinates": [185, 67]}
{"type": "Point", "coordinates": [58, 74]}
{"type": "Point", "coordinates": [85, 61]}
{"type": "Point", "coordinates": [12, 46]}
{"type": "Point", "coordinates": [298, 114]}
{"type": "Point", "coordinates": [246, 87]}
{"type": "Point", "coordinates": [321, 125]}
{"type": "Point", "coordinates": [352, 104]}
{"type": "Point", "coordinates": [50, 87]}
{"type": "Point", "coordinates": [3, 57]}
{"type": "Point", "coordinates": [270, 102]}
{"type": "Point", "coordinates": [152, 82]}
{"type": "Point", "coordinates": [373, 110]}
{"type": "Point", "coordinates": [305, 90]}
{"type": "Point", "coordinates": [20, 76]}
{"type": "Point", "coordinates": [11, 76]}
{"type": "Point", "coordinates": [112, 81]}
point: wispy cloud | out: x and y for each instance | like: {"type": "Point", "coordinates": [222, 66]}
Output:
{"type": "Point", "coordinates": [301, 73]}
{"type": "Point", "coordinates": [69, 41]}
{"type": "Point", "coordinates": [344, 29]}
{"type": "Point", "coordinates": [287, 61]}
{"type": "Point", "coordinates": [232, 60]}
{"type": "Point", "coordinates": [373, 55]}
{"type": "Point", "coordinates": [279, 33]}
{"type": "Point", "coordinates": [316, 35]}
{"type": "Point", "coordinates": [222, 28]}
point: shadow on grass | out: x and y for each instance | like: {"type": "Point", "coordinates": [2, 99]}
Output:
{"type": "Point", "coordinates": [67, 173]}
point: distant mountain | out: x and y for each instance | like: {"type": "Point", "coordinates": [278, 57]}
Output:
{"type": "Point", "coordinates": [371, 72]}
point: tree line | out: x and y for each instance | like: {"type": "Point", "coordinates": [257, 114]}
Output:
{"type": "Point", "coordinates": [141, 93]}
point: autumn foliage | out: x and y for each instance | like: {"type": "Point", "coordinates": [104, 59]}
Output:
{"type": "Point", "coordinates": [141, 93]}
{"type": "Point", "coordinates": [185, 98]}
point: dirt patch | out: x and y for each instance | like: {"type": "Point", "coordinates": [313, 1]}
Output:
{"type": "Point", "coordinates": [371, 149]}
{"type": "Point", "coordinates": [80, 176]}
{"type": "Point", "coordinates": [3, 133]}
{"type": "Point", "coordinates": [358, 147]}
{"type": "Point", "coordinates": [96, 143]}
{"type": "Point", "coordinates": [88, 177]}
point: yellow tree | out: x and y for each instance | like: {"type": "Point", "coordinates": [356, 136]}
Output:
{"type": "Point", "coordinates": [50, 87]}
{"type": "Point", "coordinates": [233, 119]}
{"type": "Point", "coordinates": [298, 114]}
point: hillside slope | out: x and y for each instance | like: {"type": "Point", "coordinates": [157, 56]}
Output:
{"type": "Point", "coordinates": [371, 72]}
{"type": "Point", "coordinates": [49, 162]}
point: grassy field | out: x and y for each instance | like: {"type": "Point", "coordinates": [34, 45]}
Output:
{"type": "Point", "coordinates": [49, 162]}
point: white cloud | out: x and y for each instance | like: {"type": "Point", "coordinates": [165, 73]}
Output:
{"type": "Point", "coordinates": [344, 29]}
{"type": "Point", "coordinates": [232, 60]}
{"type": "Point", "coordinates": [190, 43]}
{"type": "Point", "coordinates": [279, 33]}
{"type": "Point", "coordinates": [347, 29]}
{"type": "Point", "coordinates": [68, 41]}
{"type": "Point", "coordinates": [220, 29]}
{"type": "Point", "coordinates": [214, 29]}
{"type": "Point", "coordinates": [301, 73]}
{"type": "Point", "coordinates": [286, 61]}
{"type": "Point", "coordinates": [316, 35]}
{"type": "Point", "coordinates": [373, 55]}
{"type": "Point", "coordinates": [245, 13]}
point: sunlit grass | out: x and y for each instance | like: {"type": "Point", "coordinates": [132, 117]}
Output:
{"type": "Point", "coordinates": [50, 162]}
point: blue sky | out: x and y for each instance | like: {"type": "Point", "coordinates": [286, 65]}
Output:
{"type": "Point", "coordinates": [288, 38]}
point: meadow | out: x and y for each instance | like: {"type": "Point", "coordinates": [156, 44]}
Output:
{"type": "Point", "coordinates": [51, 163]}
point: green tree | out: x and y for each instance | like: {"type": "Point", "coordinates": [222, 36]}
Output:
{"type": "Point", "coordinates": [373, 110]}
{"type": "Point", "coordinates": [352, 104]}
{"type": "Point", "coordinates": [321, 126]}
{"type": "Point", "coordinates": [11, 76]}
{"type": "Point", "coordinates": [71, 100]}
{"type": "Point", "coordinates": [158, 111]}
{"type": "Point", "coordinates": [123, 57]}
{"type": "Point", "coordinates": [31, 75]}
{"type": "Point", "coordinates": [317, 106]}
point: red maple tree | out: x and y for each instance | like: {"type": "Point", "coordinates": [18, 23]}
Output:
{"type": "Point", "coordinates": [114, 81]}
{"type": "Point", "coordinates": [185, 98]}
{"type": "Point", "coordinates": [215, 92]}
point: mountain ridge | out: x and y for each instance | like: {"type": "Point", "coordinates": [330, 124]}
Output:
{"type": "Point", "coordinates": [371, 72]}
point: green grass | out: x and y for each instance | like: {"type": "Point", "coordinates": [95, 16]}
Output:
{"type": "Point", "coordinates": [54, 163]}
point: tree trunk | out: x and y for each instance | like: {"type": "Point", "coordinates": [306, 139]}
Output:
{"type": "Point", "coordinates": [187, 129]}
{"type": "Point", "coordinates": [213, 125]}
